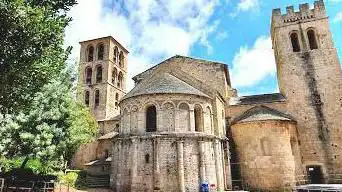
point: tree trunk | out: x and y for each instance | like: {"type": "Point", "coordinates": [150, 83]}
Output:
{"type": "Point", "coordinates": [24, 163]}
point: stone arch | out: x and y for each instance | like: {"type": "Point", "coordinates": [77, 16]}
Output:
{"type": "Point", "coordinates": [151, 118]}
{"type": "Point", "coordinates": [184, 116]}
{"type": "Point", "coordinates": [88, 75]}
{"type": "Point", "coordinates": [312, 38]}
{"type": "Point", "coordinates": [134, 118]}
{"type": "Point", "coordinates": [99, 74]}
{"type": "Point", "coordinates": [168, 116]}
{"type": "Point", "coordinates": [100, 51]}
{"type": "Point", "coordinates": [198, 113]}
{"type": "Point", "coordinates": [90, 53]}
{"type": "Point", "coordinates": [294, 37]}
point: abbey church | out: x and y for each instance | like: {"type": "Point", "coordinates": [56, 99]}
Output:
{"type": "Point", "coordinates": [183, 125]}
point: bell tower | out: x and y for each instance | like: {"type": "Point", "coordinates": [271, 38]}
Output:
{"type": "Point", "coordinates": [102, 76]}
{"type": "Point", "coordinates": [309, 76]}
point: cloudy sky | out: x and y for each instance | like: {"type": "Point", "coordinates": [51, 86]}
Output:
{"type": "Point", "coordinates": [235, 32]}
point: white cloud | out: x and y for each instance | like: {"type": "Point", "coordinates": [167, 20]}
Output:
{"type": "Point", "coordinates": [150, 29]}
{"type": "Point", "coordinates": [245, 6]}
{"type": "Point", "coordinates": [252, 65]}
{"type": "Point", "coordinates": [338, 17]}
{"type": "Point", "coordinates": [221, 35]}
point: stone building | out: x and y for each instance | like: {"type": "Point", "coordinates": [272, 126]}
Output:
{"type": "Point", "coordinates": [183, 124]}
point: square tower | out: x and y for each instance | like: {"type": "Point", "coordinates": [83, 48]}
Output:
{"type": "Point", "coordinates": [309, 76]}
{"type": "Point", "coordinates": [102, 76]}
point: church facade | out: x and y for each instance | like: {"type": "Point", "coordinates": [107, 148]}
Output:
{"type": "Point", "coordinates": [183, 124]}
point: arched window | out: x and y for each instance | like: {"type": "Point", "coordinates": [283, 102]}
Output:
{"type": "Point", "coordinates": [97, 98]}
{"type": "Point", "coordinates": [116, 99]}
{"type": "Point", "coordinates": [121, 59]}
{"type": "Point", "coordinates": [198, 112]}
{"type": "Point", "coordinates": [86, 98]}
{"type": "Point", "coordinates": [89, 73]}
{"type": "Point", "coordinates": [295, 42]}
{"type": "Point", "coordinates": [120, 79]}
{"type": "Point", "coordinates": [100, 52]}
{"type": "Point", "coordinates": [312, 39]}
{"type": "Point", "coordinates": [90, 53]}
{"type": "Point", "coordinates": [99, 74]}
{"type": "Point", "coordinates": [114, 75]}
{"type": "Point", "coordinates": [151, 119]}
{"type": "Point", "coordinates": [116, 53]}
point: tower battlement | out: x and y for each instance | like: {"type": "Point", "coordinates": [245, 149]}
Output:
{"type": "Point", "coordinates": [304, 14]}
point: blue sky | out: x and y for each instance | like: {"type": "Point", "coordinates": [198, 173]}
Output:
{"type": "Point", "coordinates": [235, 32]}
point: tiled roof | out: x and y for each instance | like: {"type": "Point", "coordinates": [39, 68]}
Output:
{"type": "Point", "coordinates": [163, 83]}
{"type": "Point", "coordinates": [261, 113]}
{"type": "Point", "coordinates": [108, 135]}
{"type": "Point", "coordinates": [150, 70]}
{"type": "Point", "coordinates": [257, 99]}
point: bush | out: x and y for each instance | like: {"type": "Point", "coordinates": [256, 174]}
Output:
{"type": "Point", "coordinates": [69, 179]}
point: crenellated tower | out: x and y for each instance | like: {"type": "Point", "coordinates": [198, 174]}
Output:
{"type": "Point", "coordinates": [102, 76]}
{"type": "Point", "coordinates": [309, 76]}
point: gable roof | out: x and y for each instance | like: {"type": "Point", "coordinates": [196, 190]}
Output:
{"type": "Point", "coordinates": [163, 83]}
{"type": "Point", "coordinates": [261, 113]}
{"type": "Point", "coordinates": [257, 99]}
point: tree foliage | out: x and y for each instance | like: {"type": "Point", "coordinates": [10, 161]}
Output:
{"type": "Point", "coordinates": [51, 130]}
{"type": "Point", "coordinates": [39, 116]}
{"type": "Point", "coordinates": [31, 48]}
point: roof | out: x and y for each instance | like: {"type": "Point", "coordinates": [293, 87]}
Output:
{"type": "Point", "coordinates": [111, 37]}
{"type": "Point", "coordinates": [257, 99]}
{"type": "Point", "coordinates": [261, 113]}
{"type": "Point", "coordinates": [150, 70]}
{"type": "Point", "coordinates": [164, 83]}
{"type": "Point", "coordinates": [109, 135]}
{"type": "Point", "coordinates": [99, 161]}
{"type": "Point", "coordinates": [115, 118]}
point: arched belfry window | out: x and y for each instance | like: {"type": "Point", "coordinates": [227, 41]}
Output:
{"type": "Point", "coordinates": [116, 54]}
{"type": "Point", "coordinates": [312, 39]}
{"type": "Point", "coordinates": [114, 75]}
{"type": "Point", "coordinates": [90, 54]}
{"type": "Point", "coordinates": [97, 98]}
{"type": "Point", "coordinates": [120, 80]}
{"type": "Point", "coordinates": [86, 98]}
{"type": "Point", "coordinates": [89, 73]}
{"type": "Point", "coordinates": [198, 112]}
{"type": "Point", "coordinates": [295, 42]}
{"type": "Point", "coordinates": [99, 74]}
{"type": "Point", "coordinates": [100, 52]}
{"type": "Point", "coordinates": [151, 119]}
{"type": "Point", "coordinates": [121, 59]}
{"type": "Point", "coordinates": [116, 99]}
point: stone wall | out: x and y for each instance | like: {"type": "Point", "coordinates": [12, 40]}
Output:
{"type": "Point", "coordinates": [311, 82]}
{"type": "Point", "coordinates": [267, 152]}
{"type": "Point", "coordinates": [167, 163]}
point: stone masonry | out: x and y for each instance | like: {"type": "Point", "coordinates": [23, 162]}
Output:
{"type": "Point", "coordinates": [183, 124]}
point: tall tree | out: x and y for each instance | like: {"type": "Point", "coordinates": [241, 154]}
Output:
{"type": "Point", "coordinates": [31, 48]}
{"type": "Point", "coordinates": [51, 130]}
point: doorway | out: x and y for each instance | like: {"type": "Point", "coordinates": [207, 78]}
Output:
{"type": "Point", "coordinates": [315, 175]}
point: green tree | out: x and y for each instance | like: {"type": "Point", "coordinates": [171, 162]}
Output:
{"type": "Point", "coordinates": [51, 130]}
{"type": "Point", "coordinates": [31, 48]}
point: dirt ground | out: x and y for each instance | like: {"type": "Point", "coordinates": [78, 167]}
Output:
{"type": "Point", "coordinates": [62, 188]}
